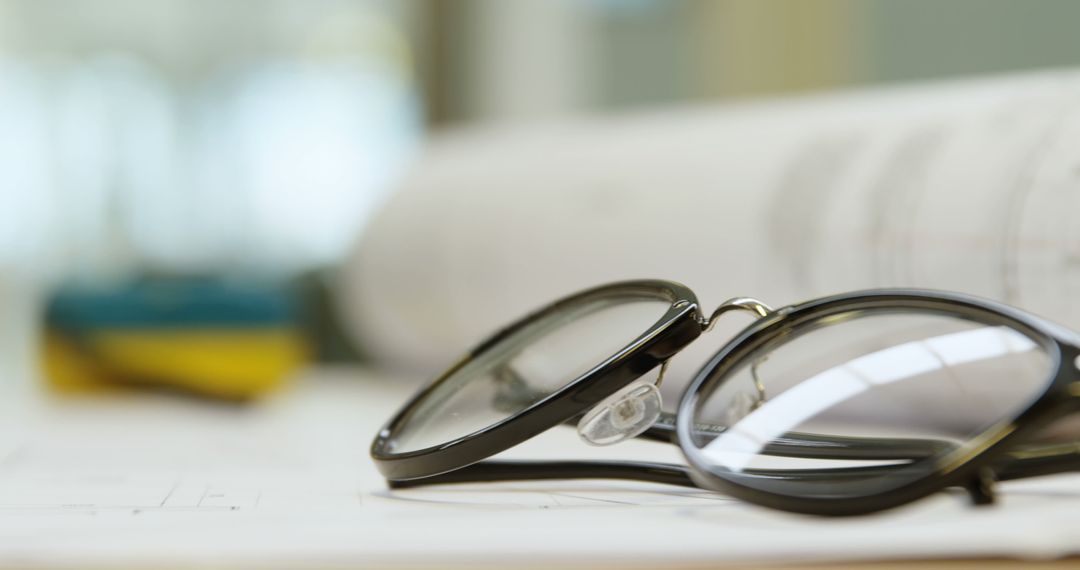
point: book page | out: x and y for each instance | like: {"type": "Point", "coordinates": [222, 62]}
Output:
{"type": "Point", "coordinates": [147, 481]}
{"type": "Point", "coordinates": [966, 185]}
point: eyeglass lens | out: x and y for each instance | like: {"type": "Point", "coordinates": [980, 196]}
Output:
{"type": "Point", "coordinates": [864, 402]}
{"type": "Point", "coordinates": [526, 366]}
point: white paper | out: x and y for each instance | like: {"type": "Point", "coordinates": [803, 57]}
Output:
{"type": "Point", "coordinates": [964, 185]}
{"type": "Point", "coordinates": [150, 481]}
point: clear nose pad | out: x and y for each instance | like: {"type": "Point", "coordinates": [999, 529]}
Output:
{"type": "Point", "coordinates": [622, 415]}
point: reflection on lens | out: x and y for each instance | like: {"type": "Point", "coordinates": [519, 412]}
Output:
{"type": "Point", "coordinates": [526, 367]}
{"type": "Point", "coordinates": [867, 403]}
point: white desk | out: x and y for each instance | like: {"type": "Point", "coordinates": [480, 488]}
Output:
{"type": "Point", "coordinates": [149, 480]}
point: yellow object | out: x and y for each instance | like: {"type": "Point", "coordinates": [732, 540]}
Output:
{"type": "Point", "coordinates": [69, 370]}
{"type": "Point", "coordinates": [235, 364]}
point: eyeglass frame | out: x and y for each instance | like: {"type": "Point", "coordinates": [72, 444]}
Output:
{"type": "Point", "coordinates": [465, 459]}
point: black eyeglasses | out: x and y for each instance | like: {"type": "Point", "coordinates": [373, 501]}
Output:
{"type": "Point", "coordinates": [838, 406]}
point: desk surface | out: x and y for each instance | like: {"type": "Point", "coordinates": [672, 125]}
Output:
{"type": "Point", "coordinates": [150, 480]}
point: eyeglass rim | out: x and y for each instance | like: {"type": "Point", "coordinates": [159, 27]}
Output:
{"type": "Point", "coordinates": [677, 327]}
{"type": "Point", "coordinates": [1059, 397]}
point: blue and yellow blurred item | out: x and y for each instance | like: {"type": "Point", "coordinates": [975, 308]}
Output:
{"type": "Point", "coordinates": [204, 336]}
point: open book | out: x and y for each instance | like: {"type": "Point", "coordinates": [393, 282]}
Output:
{"type": "Point", "coordinates": [969, 185]}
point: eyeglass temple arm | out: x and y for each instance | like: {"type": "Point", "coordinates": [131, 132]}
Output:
{"type": "Point", "coordinates": [491, 470]}
{"type": "Point", "coordinates": [801, 444]}
{"type": "Point", "coordinates": [1039, 459]}
{"type": "Point", "coordinates": [1030, 460]}
{"type": "Point", "coordinates": [1027, 461]}
{"type": "Point", "coordinates": [497, 470]}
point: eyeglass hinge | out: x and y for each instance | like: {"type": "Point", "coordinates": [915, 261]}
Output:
{"type": "Point", "coordinates": [980, 487]}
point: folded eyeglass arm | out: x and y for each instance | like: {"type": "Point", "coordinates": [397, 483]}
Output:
{"type": "Point", "coordinates": [1039, 459]}
{"type": "Point", "coordinates": [497, 470]}
{"type": "Point", "coordinates": [1028, 461]}
{"type": "Point", "coordinates": [493, 470]}
{"type": "Point", "coordinates": [800, 444]}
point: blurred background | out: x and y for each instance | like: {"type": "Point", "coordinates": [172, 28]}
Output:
{"type": "Point", "coordinates": [180, 179]}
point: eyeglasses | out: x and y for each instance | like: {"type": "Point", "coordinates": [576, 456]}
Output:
{"type": "Point", "coordinates": [842, 405]}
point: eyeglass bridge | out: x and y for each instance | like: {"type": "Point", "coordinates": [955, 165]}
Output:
{"type": "Point", "coordinates": [634, 409]}
{"type": "Point", "coordinates": [749, 304]}
{"type": "Point", "coordinates": [736, 304]}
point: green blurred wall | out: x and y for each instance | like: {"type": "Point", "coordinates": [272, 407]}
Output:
{"type": "Point", "coordinates": [694, 49]}
{"type": "Point", "coordinates": [633, 53]}
{"type": "Point", "coordinates": [916, 39]}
